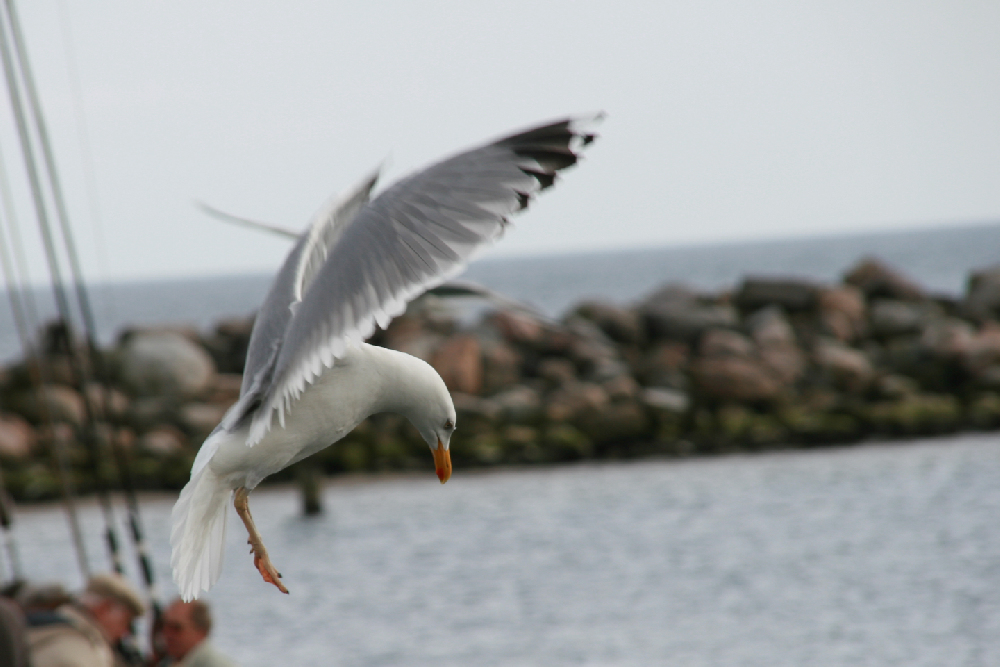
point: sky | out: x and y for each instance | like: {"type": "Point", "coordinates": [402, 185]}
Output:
{"type": "Point", "coordinates": [725, 120]}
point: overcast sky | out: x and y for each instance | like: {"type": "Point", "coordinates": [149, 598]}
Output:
{"type": "Point", "coordinates": [726, 120]}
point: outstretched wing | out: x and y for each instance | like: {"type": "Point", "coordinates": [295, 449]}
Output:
{"type": "Point", "coordinates": [414, 235]}
{"type": "Point", "coordinates": [294, 278]}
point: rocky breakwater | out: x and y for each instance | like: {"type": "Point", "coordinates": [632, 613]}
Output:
{"type": "Point", "coordinates": [771, 363]}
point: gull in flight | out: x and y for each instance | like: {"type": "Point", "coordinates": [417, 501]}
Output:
{"type": "Point", "coordinates": [310, 378]}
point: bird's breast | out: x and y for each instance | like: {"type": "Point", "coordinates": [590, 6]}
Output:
{"type": "Point", "coordinates": [326, 411]}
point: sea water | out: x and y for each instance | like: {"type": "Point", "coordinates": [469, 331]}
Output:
{"type": "Point", "coordinates": [880, 554]}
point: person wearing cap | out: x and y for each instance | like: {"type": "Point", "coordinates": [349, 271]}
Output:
{"type": "Point", "coordinates": [186, 626]}
{"type": "Point", "coordinates": [83, 633]}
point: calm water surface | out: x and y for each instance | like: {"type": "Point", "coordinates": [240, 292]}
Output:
{"type": "Point", "coordinates": [874, 555]}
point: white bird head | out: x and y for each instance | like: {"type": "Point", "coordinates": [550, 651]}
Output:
{"type": "Point", "coordinates": [425, 401]}
{"type": "Point", "coordinates": [436, 421]}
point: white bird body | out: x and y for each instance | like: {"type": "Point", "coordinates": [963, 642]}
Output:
{"type": "Point", "coordinates": [309, 377]}
{"type": "Point", "coordinates": [365, 381]}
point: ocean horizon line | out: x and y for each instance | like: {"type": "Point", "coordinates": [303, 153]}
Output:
{"type": "Point", "coordinates": [849, 235]}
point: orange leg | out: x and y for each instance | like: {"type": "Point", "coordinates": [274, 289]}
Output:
{"type": "Point", "coordinates": [260, 558]}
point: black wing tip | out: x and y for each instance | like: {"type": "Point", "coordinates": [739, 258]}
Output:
{"type": "Point", "coordinates": [558, 130]}
{"type": "Point", "coordinates": [546, 179]}
{"type": "Point", "coordinates": [523, 199]}
{"type": "Point", "coordinates": [550, 158]}
{"type": "Point", "coordinates": [554, 146]}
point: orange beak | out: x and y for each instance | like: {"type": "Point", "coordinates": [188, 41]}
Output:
{"type": "Point", "coordinates": [442, 462]}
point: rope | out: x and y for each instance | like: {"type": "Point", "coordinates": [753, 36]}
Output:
{"type": "Point", "coordinates": [24, 312]}
{"type": "Point", "coordinates": [58, 287]}
{"type": "Point", "coordinates": [83, 301]}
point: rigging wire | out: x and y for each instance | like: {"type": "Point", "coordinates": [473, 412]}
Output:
{"type": "Point", "coordinates": [92, 191]}
{"type": "Point", "coordinates": [35, 107]}
{"type": "Point", "coordinates": [86, 310]}
{"type": "Point", "coordinates": [25, 319]}
{"type": "Point", "coordinates": [59, 289]}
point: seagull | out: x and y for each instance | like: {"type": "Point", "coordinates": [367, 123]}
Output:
{"type": "Point", "coordinates": [309, 377]}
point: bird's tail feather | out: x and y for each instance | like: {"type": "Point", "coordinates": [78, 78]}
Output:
{"type": "Point", "coordinates": [198, 533]}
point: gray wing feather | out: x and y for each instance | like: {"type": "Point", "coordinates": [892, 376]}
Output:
{"type": "Point", "coordinates": [294, 279]}
{"type": "Point", "coordinates": [413, 236]}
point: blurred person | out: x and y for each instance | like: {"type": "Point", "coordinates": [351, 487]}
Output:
{"type": "Point", "coordinates": [41, 598]}
{"type": "Point", "coordinates": [186, 626]}
{"type": "Point", "coordinates": [13, 633]}
{"type": "Point", "coordinates": [83, 633]}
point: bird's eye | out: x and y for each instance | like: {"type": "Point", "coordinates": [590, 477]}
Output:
{"type": "Point", "coordinates": [449, 425]}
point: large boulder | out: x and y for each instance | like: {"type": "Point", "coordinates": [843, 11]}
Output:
{"type": "Point", "coordinates": [164, 363]}
{"type": "Point", "coordinates": [894, 387]}
{"type": "Point", "coordinates": [729, 368]}
{"type": "Point", "coordinates": [982, 297]}
{"type": "Point", "coordinates": [53, 402]}
{"type": "Point", "coordinates": [518, 327]}
{"type": "Point", "coordinates": [770, 327]}
{"type": "Point", "coordinates": [675, 312]}
{"type": "Point", "coordinates": [846, 368]}
{"type": "Point", "coordinates": [459, 363]}
{"type": "Point", "coordinates": [877, 279]}
{"type": "Point", "coordinates": [734, 378]}
{"type": "Point", "coordinates": [842, 312]}
{"type": "Point", "coordinates": [620, 324]}
{"type": "Point", "coordinates": [475, 414]}
{"type": "Point", "coordinates": [110, 402]}
{"type": "Point", "coordinates": [408, 333]}
{"type": "Point", "coordinates": [725, 343]}
{"type": "Point", "coordinates": [225, 389]}
{"type": "Point", "coordinates": [55, 369]}
{"type": "Point", "coordinates": [660, 399]}
{"type": "Point", "coordinates": [949, 339]}
{"type": "Point", "coordinates": [501, 366]}
{"type": "Point", "coordinates": [787, 362]}
{"type": "Point", "coordinates": [665, 365]}
{"type": "Point", "coordinates": [621, 388]}
{"type": "Point", "coordinates": [228, 343]}
{"type": "Point", "coordinates": [17, 438]}
{"type": "Point", "coordinates": [556, 371]}
{"type": "Point", "coordinates": [519, 405]}
{"type": "Point", "coordinates": [148, 411]}
{"type": "Point", "coordinates": [570, 402]}
{"type": "Point", "coordinates": [894, 317]}
{"type": "Point", "coordinates": [596, 357]}
{"type": "Point", "coordinates": [984, 349]}
{"type": "Point", "coordinates": [776, 344]}
{"type": "Point", "coordinates": [791, 294]}
{"type": "Point", "coordinates": [162, 441]}
{"type": "Point", "coordinates": [199, 419]}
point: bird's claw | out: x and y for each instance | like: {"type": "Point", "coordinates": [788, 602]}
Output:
{"type": "Point", "coordinates": [268, 571]}
{"type": "Point", "coordinates": [260, 558]}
